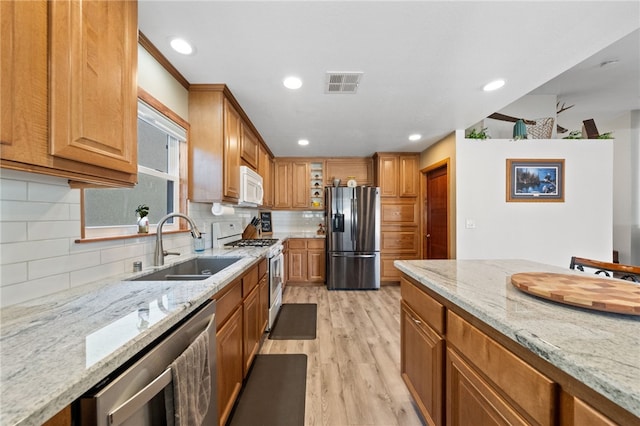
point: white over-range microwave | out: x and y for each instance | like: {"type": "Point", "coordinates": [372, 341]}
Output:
{"type": "Point", "coordinates": [250, 188]}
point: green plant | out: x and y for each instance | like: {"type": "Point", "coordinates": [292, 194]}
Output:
{"type": "Point", "coordinates": [475, 134]}
{"type": "Point", "coordinates": [607, 135]}
{"type": "Point", "coordinates": [576, 134]}
{"type": "Point", "coordinates": [142, 210]}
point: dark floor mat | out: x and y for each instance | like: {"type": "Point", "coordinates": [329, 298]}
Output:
{"type": "Point", "coordinates": [274, 392]}
{"type": "Point", "coordinates": [296, 321]}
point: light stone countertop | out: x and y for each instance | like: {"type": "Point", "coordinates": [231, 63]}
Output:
{"type": "Point", "coordinates": [54, 349]}
{"type": "Point", "coordinates": [600, 349]}
{"type": "Point", "coordinates": [297, 234]}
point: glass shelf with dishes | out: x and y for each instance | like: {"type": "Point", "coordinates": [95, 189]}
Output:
{"type": "Point", "coordinates": [317, 191]}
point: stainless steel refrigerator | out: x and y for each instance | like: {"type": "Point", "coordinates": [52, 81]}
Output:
{"type": "Point", "coordinates": [353, 238]}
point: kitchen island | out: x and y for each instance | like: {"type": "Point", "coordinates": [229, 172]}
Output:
{"type": "Point", "coordinates": [519, 358]}
{"type": "Point", "coordinates": [54, 349]}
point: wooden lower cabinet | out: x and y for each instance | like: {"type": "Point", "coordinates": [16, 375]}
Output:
{"type": "Point", "coordinates": [422, 364]}
{"type": "Point", "coordinates": [306, 260]}
{"type": "Point", "coordinates": [63, 418]}
{"type": "Point", "coordinates": [504, 374]}
{"type": "Point", "coordinates": [460, 374]}
{"type": "Point", "coordinates": [252, 332]}
{"type": "Point", "coordinates": [241, 317]}
{"type": "Point", "coordinates": [472, 400]}
{"type": "Point", "coordinates": [263, 301]}
{"type": "Point", "coordinates": [229, 364]}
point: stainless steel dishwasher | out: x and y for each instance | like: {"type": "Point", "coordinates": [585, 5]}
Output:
{"type": "Point", "coordinates": [137, 396]}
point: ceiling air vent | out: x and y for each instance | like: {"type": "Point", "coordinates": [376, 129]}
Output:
{"type": "Point", "coordinates": [342, 82]}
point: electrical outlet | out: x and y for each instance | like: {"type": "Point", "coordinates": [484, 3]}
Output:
{"type": "Point", "coordinates": [470, 224]}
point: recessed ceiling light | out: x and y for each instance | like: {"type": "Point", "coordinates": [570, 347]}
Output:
{"type": "Point", "coordinates": [292, 83]}
{"type": "Point", "coordinates": [181, 45]}
{"type": "Point", "coordinates": [303, 142]}
{"type": "Point", "coordinates": [494, 85]}
{"type": "Point", "coordinates": [415, 137]}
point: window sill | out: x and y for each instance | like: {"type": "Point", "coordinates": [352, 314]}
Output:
{"type": "Point", "coordinates": [126, 237]}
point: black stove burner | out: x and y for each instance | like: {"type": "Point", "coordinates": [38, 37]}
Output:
{"type": "Point", "coordinates": [259, 242]}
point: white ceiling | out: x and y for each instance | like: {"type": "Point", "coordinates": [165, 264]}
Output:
{"type": "Point", "coordinates": [424, 63]}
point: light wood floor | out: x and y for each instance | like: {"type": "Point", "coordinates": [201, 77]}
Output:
{"type": "Point", "coordinates": [353, 365]}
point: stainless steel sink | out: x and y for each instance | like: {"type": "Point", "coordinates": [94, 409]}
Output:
{"type": "Point", "coordinates": [199, 268]}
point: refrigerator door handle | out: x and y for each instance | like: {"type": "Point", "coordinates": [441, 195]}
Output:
{"type": "Point", "coordinates": [354, 222]}
{"type": "Point", "coordinates": [352, 255]}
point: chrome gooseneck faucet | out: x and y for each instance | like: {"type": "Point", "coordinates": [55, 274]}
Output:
{"type": "Point", "coordinates": [160, 253]}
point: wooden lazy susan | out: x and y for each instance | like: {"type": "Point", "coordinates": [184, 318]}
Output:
{"type": "Point", "coordinates": [602, 294]}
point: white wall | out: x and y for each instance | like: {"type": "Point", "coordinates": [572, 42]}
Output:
{"type": "Point", "coordinates": [541, 231]}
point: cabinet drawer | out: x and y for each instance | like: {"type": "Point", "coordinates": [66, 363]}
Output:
{"type": "Point", "coordinates": [584, 414]}
{"type": "Point", "coordinates": [511, 375]}
{"type": "Point", "coordinates": [315, 243]}
{"type": "Point", "coordinates": [400, 213]}
{"type": "Point", "coordinates": [249, 281]}
{"type": "Point", "coordinates": [405, 241]}
{"type": "Point", "coordinates": [227, 302]}
{"type": "Point", "coordinates": [425, 306]}
{"type": "Point", "coordinates": [297, 243]}
{"type": "Point", "coordinates": [388, 272]}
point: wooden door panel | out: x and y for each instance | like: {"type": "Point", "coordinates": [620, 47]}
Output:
{"type": "Point", "coordinates": [437, 214]}
{"type": "Point", "coordinates": [316, 265]}
{"type": "Point", "coordinates": [231, 152]}
{"type": "Point", "coordinates": [471, 401]}
{"type": "Point", "coordinates": [93, 92]}
{"type": "Point", "coordinates": [229, 364]}
{"type": "Point", "coordinates": [422, 365]}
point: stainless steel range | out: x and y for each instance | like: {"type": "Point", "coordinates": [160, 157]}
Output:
{"type": "Point", "coordinates": [229, 235]}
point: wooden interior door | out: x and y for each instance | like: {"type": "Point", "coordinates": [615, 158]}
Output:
{"type": "Point", "coordinates": [436, 212]}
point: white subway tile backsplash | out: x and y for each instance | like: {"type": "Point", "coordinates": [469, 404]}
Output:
{"type": "Point", "coordinates": [33, 211]}
{"type": "Point", "coordinates": [87, 275]}
{"type": "Point", "coordinates": [13, 190]}
{"type": "Point", "coordinates": [13, 273]}
{"type": "Point", "coordinates": [32, 250]}
{"type": "Point", "coordinates": [53, 193]}
{"type": "Point", "coordinates": [57, 265]}
{"type": "Point", "coordinates": [11, 232]}
{"type": "Point", "coordinates": [28, 290]}
{"type": "Point", "coordinates": [47, 230]}
{"type": "Point", "coordinates": [120, 253]}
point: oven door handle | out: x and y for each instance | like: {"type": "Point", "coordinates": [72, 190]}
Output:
{"type": "Point", "coordinates": [133, 404]}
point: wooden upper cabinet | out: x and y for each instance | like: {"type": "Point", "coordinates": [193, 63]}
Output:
{"type": "Point", "coordinates": [397, 175]}
{"type": "Point", "coordinates": [69, 94]}
{"type": "Point", "coordinates": [249, 147]}
{"type": "Point", "coordinates": [300, 184]}
{"type": "Point", "coordinates": [218, 127]}
{"type": "Point", "coordinates": [232, 137]}
{"type": "Point", "coordinates": [342, 168]}
{"type": "Point", "coordinates": [409, 175]}
{"type": "Point", "coordinates": [291, 184]}
{"type": "Point", "coordinates": [387, 175]}
{"type": "Point", "coordinates": [265, 169]}
{"type": "Point", "coordinates": [282, 184]}
{"type": "Point", "coordinates": [24, 81]}
{"type": "Point", "coordinates": [93, 96]}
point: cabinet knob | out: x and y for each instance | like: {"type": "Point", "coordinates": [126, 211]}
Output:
{"type": "Point", "coordinates": [428, 235]}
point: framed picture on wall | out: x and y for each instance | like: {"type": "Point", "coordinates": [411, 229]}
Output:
{"type": "Point", "coordinates": [535, 180]}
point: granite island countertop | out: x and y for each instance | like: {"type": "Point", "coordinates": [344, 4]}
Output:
{"type": "Point", "coordinates": [54, 349]}
{"type": "Point", "coordinates": [599, 349]}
